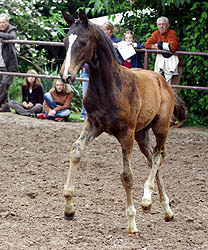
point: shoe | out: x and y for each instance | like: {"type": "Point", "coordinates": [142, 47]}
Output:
{"type": "Point", "coordinates": [66, 119]}
{"type": "Point", "coordinates": [59, 119]}
{"type": "Point", "coordinates": [5, 109]}
{"type": "Point", "coordinates": [82, 118]}
{"type": "Point", "coordinates": [34, 115]}
{"type": "Point", "coordinates": [31, 115]}
{"type": "Point", "coordinates": [41, 116]}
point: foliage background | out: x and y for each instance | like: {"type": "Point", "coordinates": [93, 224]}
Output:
{"type": "Point", "coordinates": [42, 20]}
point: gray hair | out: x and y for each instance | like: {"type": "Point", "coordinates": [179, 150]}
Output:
{"type": "Point", "coordinates": [6, 17]}
{"type": "Point", "coordinates": [163, 18]}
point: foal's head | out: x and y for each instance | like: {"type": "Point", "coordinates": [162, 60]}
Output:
{"type": "Point", "coordinates": [84, 43]}
{"type": "Point", "coordinates": [79, 44]}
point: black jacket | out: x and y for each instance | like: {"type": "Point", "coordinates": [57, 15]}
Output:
{"type": "Point", "coordinates": [8, 49]}
{"type": "Point", "coordinates": [35, 97]}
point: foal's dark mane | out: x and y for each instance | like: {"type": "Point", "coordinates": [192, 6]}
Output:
{"type": "Point", "coordinates": [108, 41]}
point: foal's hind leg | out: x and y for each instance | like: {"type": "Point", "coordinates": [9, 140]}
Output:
{"type": "Point", "coordinates": [164, 200]}
{"type": "Point", "coordinates": [88, 134]}
{"type": "Point", "coordinates": [126, 176]}
{"type": "Point", "coordinates": [155, 160]}
{"type": "Point", "coordinates": [143, 140]}
{"type": "Point", "coordinates": [158, 156]}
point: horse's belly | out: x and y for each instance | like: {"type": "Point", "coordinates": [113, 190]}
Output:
{"type": "Point", "coordinates": [144, 119]}
{"type": "Point", "coordinates": [150, 106]}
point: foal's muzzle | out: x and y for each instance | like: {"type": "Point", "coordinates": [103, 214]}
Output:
{"type": "Point", "coordinates": [66, 79]}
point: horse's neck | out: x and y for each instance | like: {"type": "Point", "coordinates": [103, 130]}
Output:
{"type": "Point", "coordinates": [103, 81]}
{"type": "Point", "coordinates": [103, 67]}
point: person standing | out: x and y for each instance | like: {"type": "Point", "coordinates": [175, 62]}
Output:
{"type": "Point", "coordinates": [135, 60]}
{"type": "Point", "coordinates": [8, 60]}
{"type": "Point", "coordinates": [32, 97]}
{"type": "Point", "coordinates": [108, 29]}
{"type": "Point", "coordinates": [57, 102]}
{"type": "Point", "coordinates": [169, 65]}
{"type": "Point", "coordinates": [166, 39]}
{"type": "Point", "coordinates": [84, 74]}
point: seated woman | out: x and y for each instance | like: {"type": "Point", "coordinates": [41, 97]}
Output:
{"type": "Point", "coordinates": [57, 102]}
{"type": "Point", "coordinates": [32, 97]}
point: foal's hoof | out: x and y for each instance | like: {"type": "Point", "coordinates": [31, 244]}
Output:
{"type": "Point", "coordinates": [146, 209]}
{"type": "Point", "coordinates": [133, 233]}
{"type": "Point", "coordinates": [69, 216]}
{"type": "Point", "coordinates": [168, 219]}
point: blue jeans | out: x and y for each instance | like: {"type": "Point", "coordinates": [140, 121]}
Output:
{"type": "Point", "coordinates": [49, 100]}
{"type": "Point", "coordinates": [84, 89]}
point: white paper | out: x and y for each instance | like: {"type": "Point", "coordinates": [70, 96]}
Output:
{"type": "Point", "coordinates": [125, 50]}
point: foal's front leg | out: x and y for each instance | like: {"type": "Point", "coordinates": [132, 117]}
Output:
{"type": "Point", "coordinates": [127, 180]}
{"type": "Point", "coordinates": [88, 134]}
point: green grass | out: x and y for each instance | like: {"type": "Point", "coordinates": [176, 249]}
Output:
{"type": "Point", "coordinates": [75, 116]}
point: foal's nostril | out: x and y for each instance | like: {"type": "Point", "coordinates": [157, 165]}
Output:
{"type": "Point", "coordinates": [68, 79]}
{"type": "Point", "coordinates": [65, 79]}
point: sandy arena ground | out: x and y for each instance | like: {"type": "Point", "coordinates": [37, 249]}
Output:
{"type": "Point", "coordinates": [34, 161]}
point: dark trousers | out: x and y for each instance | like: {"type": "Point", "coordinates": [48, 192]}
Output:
{"type": "Point", "coordinates": [19, 109]}
{"type": "Point", "coordinates": [5, 82]}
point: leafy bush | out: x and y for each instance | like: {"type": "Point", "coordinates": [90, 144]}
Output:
{"type": "Point", "coordinates": [76, 104]}
{"type": "Point", "coordinates": [15, 92]}
{"type": "Point", "coordinates": [195, 68]}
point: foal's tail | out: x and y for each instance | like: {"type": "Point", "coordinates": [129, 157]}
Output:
{"type": "Point", "coordinates": [179, 111]}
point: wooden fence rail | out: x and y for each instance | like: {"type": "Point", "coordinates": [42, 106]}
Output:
{"type": "Point", "coordinates": [146, 60]}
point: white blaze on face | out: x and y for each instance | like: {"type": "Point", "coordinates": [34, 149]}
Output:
{"type": "Point", "coordinates": [72, 39]}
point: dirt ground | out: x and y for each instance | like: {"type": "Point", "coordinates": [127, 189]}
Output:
{"type": "Point", "coordinates": [34, 161]}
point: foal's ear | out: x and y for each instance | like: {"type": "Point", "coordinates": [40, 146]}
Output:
{"type": "Point", "coordinates": [83, 17]}
{"type": "Point", "coordinates": [68, 18]}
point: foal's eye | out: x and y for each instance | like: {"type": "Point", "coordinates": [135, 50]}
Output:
{"type": "Point", "coordinates": [83, 44]}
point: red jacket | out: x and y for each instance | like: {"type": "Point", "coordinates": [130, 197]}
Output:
{"type": "Point", "coordinates": [169, 37]}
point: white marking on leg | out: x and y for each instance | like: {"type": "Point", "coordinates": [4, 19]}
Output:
{"type": "Point", "coordinates": [168, 214]}
{"type": "Point", "coordinates": [72, 39]}
{"type": "Point", "coordinates": [149, 185]}
{"type": "Point", "coordinates": [131, 215]}
{"type": "Point", "coordinates": [147, 197]}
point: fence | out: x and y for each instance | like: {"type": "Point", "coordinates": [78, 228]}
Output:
{"type": "Point", "coordinates": [146, 60]}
